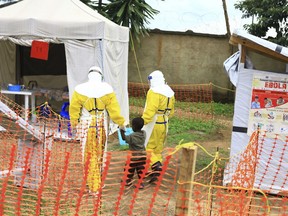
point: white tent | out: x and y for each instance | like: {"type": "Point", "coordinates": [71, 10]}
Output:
{"type": "Point", "coordinates": [271, 170]}
{"type": "Point", "coordinates": [89, 39]}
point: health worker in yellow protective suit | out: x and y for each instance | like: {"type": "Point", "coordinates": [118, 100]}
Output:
{"type": "Point", "coordinates": [159, 107]}
{"type": "Point", "coordinates": [90, 105]}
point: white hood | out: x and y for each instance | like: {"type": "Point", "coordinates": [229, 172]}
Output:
{"type": "Point", "coordinates": [164, 90]}
{"type": "Point", "coordinates": [157, 84]}
{"type": "Point", "coordinates": [94, 90]}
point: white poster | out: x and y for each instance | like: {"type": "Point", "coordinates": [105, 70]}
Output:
{"type": "Point", "coordinates": [269, 104]}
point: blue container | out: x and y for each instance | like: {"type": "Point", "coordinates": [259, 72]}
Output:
{"type": "Point", "coordinates": [127, 132]}
{"type": "Point", "coordinates": [14, 87]}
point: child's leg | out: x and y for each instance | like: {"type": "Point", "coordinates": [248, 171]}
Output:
{"type": "Point", "coordinates": [130, 174]}
{"type": "Point", "coordinates": [139, 169]}
{"type": "Point", "coordinates": [156, 170]}
{"type": "Point", "coordinates": [140, 166]}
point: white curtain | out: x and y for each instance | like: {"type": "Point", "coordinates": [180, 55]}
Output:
{"type": "Point", "coordinates": [80, 56]}
{"type": "Point", "coordinates": [7, 64]}
{"type": "Point", "coordinates": [110, 57]}
{"type": "Point", "coordinates": [114, 63]}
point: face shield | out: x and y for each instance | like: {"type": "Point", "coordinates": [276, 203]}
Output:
{"type": "Point", "coordinates": [156, 78]}
{"type": "Point", "coordinates": [95, 74]}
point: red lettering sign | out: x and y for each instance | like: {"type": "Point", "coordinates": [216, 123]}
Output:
{"type": "Point", "coordinates": [275, 85]}
{"type": "Point", "coordinates": [39, 50]}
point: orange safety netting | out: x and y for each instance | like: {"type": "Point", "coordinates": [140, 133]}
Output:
{"type": "Point", "coordinates": [185, 92]}
{"type": "Point", "coordinates": [249, 184]}
{"type": "Point", "coordinates": [189, 98]}
{"type": "Point", "coordinates": [42, 172]}
{"type": "Point", "coordinates": [262, 165]}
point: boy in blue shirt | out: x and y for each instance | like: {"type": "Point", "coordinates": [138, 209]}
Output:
{"type": "Point", "coordinates": [255, 104]}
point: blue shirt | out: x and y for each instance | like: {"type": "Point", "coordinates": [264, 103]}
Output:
{"type": "Point", "coordinates": [255, 105]}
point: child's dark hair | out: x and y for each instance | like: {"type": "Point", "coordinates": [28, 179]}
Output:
{"type": "Point", "coordinates": [137, 123]}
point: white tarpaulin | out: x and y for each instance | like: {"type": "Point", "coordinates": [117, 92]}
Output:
{"type": "Point", "coordinates": [89, 39]}
{"type": "Point", "coordinates": [240, 140]}
{"type": "Point", "coordinates": [231, 66]}
{"type": "Point", "coordinates": [65, 19]}
{"type": "Point", "coordinates": [264, 43]}
{"type": "Point", "coordinates": [272, 163]}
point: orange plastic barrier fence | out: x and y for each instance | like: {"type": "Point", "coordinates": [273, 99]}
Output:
{"type": "Point", "coordinates": [190, 99]}
{"type": "Point", "coordinates": [43, 172]}
{"type": "Point", "coordinates": [248, 183]}
{"type": "Point", "coordinates": [185, 92]}
{"type": "Point", "coordinates": [61, 186]}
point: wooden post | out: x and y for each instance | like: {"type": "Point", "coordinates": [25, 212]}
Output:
{"type": "Point", "coordinates": [226, 18]}
{"type": "Point", "coordinates": [186, 174]}
{"type": "Point", "coordinates": [243, 54]}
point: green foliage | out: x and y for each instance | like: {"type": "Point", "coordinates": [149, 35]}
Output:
{"type": "Point", "coordinates": [196, 130]}
{"type": "Point", "coordinates": [215, 108]}
{"type": "Point", "coordinates": [220, 109]}
{"type": "Point", "coordinates": [137, 101]}
{"type": "Point", "coordinates": [190, 130]}
{"type": "Point", "coordinates": [134, 14]}
{"type": "Point", "coordinates": [96, 5]}
{"type": "Point", "coordinates": [269, 14]}
{"type": "Point", "coordinates": [195, 107]}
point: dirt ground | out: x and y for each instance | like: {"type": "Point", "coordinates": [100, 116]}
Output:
{"type": "Point", "coordinates": [222, 139]}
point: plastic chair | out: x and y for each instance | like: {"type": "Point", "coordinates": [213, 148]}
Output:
{"type": "Point", "coordinates": [65, 114]}
{"type": "Point", "coordinates": [45, 110]}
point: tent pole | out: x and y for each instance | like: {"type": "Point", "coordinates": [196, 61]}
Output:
{"type": "Point", "coordinates": [18, 66]}
{"type": "Point", "coordinates": [18, 98]}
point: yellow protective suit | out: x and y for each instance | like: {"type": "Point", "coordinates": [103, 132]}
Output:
{"type": "Point", "coordinates": [96, 134]}
{"type": "Point", "coordinates": [163, 107]}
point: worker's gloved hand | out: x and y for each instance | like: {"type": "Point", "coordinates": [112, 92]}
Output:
{"type": "Point", "coordinates": [72, 132]}
{"type": "Point", "coordinates": [122, 127]}
{"type": "Point", "coordinates": [76, 132]}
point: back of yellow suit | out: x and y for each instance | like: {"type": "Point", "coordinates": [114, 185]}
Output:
{"type": "Point", "coordinates": [88, 107]}
{"type": "Point", "coordinates": [159, 107]}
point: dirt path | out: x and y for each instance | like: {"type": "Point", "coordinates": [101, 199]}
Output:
{"type": "Point", "coordinates": [222, 139]}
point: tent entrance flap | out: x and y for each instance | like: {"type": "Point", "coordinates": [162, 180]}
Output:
{"type": "Point", "coordinates": [88, 37]}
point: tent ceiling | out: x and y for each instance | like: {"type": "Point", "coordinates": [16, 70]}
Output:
{"type": "Point", "coordinates": [64, 19]}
